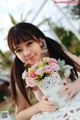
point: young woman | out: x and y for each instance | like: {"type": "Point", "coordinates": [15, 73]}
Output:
{"type": "Point", "coordinates": [26, 42]}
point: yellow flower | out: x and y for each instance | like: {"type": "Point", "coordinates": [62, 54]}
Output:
{"type": "Point", "coordinates": [30, 69]}
{"type": "Point", "coordinates": [40, 64]}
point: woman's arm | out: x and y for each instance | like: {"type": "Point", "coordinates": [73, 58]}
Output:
{"type": "Point", "coordinates": [22, 109]}
{"type": "Point", "coordinates": [25, 112]}
{"type": "Point", "coordinates": [73, 57]}
{"type": "Point", "coordinates": [38, 93]}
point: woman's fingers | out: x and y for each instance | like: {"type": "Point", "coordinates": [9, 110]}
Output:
{"type": "Point", "coordinates": [70, 95]}
{"type": "Point", "coordinates": [45, 97]}
{"type": "Point", "coordinates": [64, 82]}
{"type": "Point", "coordinates": [67, 92]}
{"type": "Point", "coordinates": [63, 89]}
{"type": "Point", "coordinates": [50, 109]}
{"type": "Point", "coordinates": [50, 103]}
{"type": "Point", "coordinates": [46, 105]}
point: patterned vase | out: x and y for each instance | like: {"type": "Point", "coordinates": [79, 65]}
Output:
{"type": "Point", "coordinates": [50, 86]}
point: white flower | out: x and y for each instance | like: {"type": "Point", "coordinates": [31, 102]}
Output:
{"type": "Point", "coordinates": [24, 74]}
{"type": "Point", "coordinates": [67, 73]}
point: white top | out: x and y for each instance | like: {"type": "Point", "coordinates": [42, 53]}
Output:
{"type": "Point", "coordinates": [71, 111]}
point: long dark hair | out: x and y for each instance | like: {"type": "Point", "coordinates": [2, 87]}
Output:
{"type": "Point", "coordinates": [23, 32]}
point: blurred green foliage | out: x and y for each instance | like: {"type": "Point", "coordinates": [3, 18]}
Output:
{"type": "Point", "coordinates": [69, 40]}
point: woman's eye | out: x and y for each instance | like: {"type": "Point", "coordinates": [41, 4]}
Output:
{"type": "Point", "coordinates": [29, 43]}
{"type": "Point", "coordinates": [18, 51]}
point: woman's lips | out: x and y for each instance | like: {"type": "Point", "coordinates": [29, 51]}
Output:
{"type": "Point", "coordinates": [30, 57]}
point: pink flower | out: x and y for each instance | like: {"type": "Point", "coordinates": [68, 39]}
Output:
{"type": "Point", "coordinates": [32, 75]}
{"type": "Point", "coordinates": [30, 82]}
{"type": "Point", "coordinates": [39, 71]}
{"type": "Point", "coordinates": [55, 67]}
{"type": "Point", "coordinates": [50, 61]}
{"type": "Point", "coordinates": [48, 69]}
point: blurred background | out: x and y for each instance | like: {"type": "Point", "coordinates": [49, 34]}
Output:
{"type": "Point", "coordinates": [58, 20]}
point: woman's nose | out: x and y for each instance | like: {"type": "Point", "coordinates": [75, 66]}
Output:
{"type": "Point", "coordinates": [27, 52]}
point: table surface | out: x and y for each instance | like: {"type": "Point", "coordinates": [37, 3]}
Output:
{"type": "Point", "coordinates": [71, 111]}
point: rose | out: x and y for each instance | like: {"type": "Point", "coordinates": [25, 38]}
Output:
{"type": "Point", "coordinates": [51, 61]}
{"type": "Point", "coordinates": [30, 82]}
{"type": "Point", "coordinates": [48, 69]}
{"type": "Point", "coordinates": [55, 67]}
{"type": "Point", "coordinates": [39, 71]}
{"type": "Point", "coordinates": [32, 74]}
{"type": "Point", "coordinates": [45, 59]}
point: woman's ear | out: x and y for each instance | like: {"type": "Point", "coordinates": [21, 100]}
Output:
{"type": "Point", "coordinates": [42, 43]}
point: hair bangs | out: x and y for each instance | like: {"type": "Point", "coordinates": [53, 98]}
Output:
{"type": "Point", "coordinates": [19, 36]}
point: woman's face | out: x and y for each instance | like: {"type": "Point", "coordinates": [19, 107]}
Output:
{"type": "Point", "coordinates": [29, 52]}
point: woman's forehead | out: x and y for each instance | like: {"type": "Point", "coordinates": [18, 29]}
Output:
{"type": "Point", "coordinates": [21, 39]}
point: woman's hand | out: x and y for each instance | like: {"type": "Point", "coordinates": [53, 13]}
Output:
{"type": "Point", "coordinates": [69, 89]}
{"type": "Point", "coordinates": [46, 106]}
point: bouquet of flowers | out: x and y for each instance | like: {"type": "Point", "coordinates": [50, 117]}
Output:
{"type": "Point", "coordinates": [45, 68]}
{"type": "Point", "coordinates": [47, 75]}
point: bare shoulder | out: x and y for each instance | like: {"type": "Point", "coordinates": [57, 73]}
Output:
{"type": "Point", "coordinates": [73, 57]}
{"type": "Point", "coordinates": [22, 103]}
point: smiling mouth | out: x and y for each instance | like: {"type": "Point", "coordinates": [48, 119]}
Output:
{"type": "Point", "coordinates": [30, 57]}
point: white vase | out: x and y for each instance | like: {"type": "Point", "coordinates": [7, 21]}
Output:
{"type": "Point", "coordinates": [50, 86]}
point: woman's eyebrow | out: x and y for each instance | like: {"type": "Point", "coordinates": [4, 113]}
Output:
{"type": "Point", "coordinates": [17, 46]}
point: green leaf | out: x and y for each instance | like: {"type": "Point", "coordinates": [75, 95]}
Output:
{"type": "Point", "coordinates": [61, 63]}
{"type": "Point", "coordinates": [67, 67]}
{"type": "Point", "coordinates": [12, 19]}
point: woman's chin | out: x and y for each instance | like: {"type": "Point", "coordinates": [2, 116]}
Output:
{"type": "Point", "coordinates": [33, 60]}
